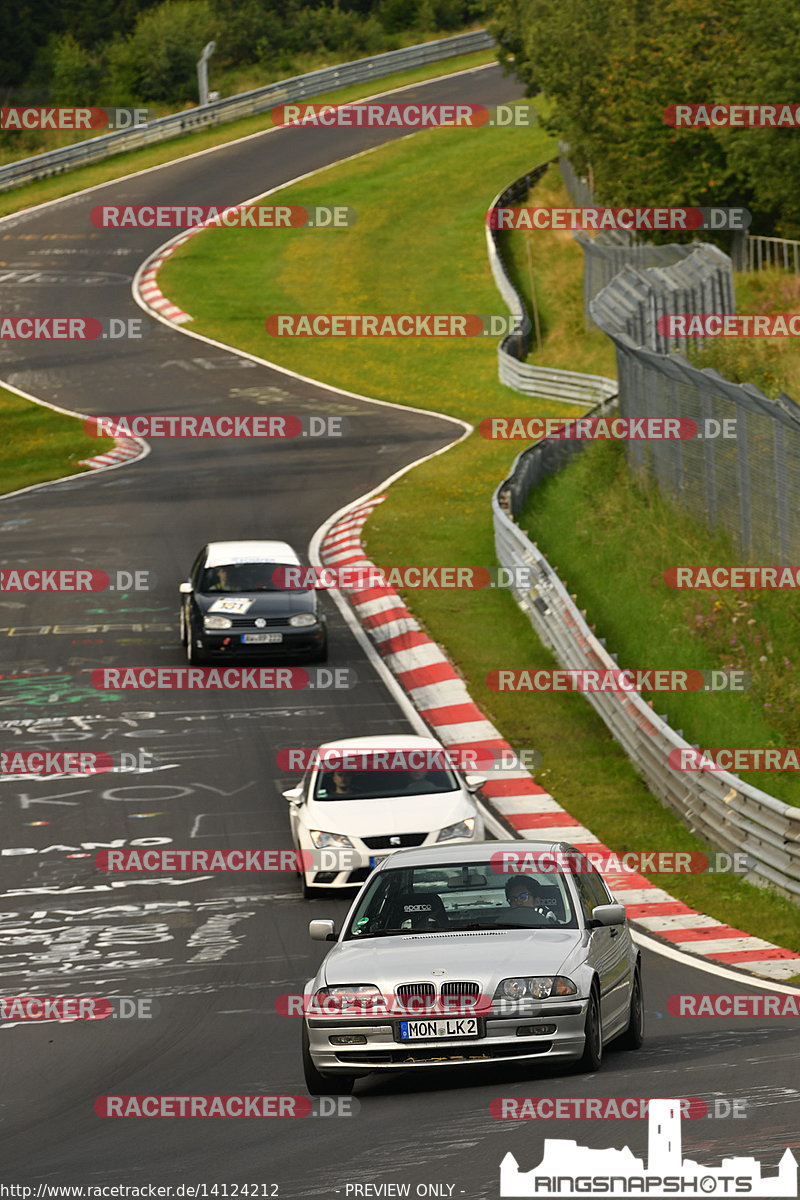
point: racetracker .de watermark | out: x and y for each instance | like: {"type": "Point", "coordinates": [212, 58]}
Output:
{"type": "Point", "coordinates": [735, 759]}
{"type": "Point", "coordinates": [236, 861]}
{"type": "Point", "coordinates": [226, 1106]}
{"type": "Point", "coordinates": [728, 325]}
{"type": "Point", "coordinates": [210, 216]}
{"type": "Point", "coordinates": [459, 758]}
{"type": "Point", "coordinates": [18, 1009]}
{"type": "Point", "coordinates": [628, 862]}
{"type": "Point", "coordinates": [631, 219]}
{"type": "Point", "coordinates": [620, 429]}
{"type": "Point", "coordinates": [364, 576]}
{"type": "Point", "coordinates": [217, 425]}
{"type": "Point", "coordinates": [74, 579]}
{"type": "Point", "coordinates": [39, 764]}
{"type": "Point", "coordinates": [589, 679]}
{"type": "Point", "coordinates": [72, 118]}
{"type": "Point", "coordinates": [403, 325]}
{"type": "Point", "coordinates": [747, 116]}
{"type": "Point", "coordinates": [607, 1108]}
{"type": "Point", "coordinates": [723, 578]}
{"type": "Point", "coordinates": [71, 329]}
{"type": "Point", "coordinates": [387, 115]}
{"type": "Point", "coordinates": [231, 679]}
{"type": "Point", "coordinates": [342, 1003]}
{"type": "Point", "coordinates": [733, 1004]}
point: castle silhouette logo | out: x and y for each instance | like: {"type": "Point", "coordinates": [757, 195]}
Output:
{"type": "Point", "coordinates": [568, 1169]}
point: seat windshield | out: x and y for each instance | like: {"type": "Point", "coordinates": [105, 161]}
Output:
{"type": "Point", "coordinates": [460, 898]}
{"type": "Point", "coordinates": [381, 785]}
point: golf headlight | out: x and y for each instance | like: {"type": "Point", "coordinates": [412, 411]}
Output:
{"type": "Point", "coordinates": [462, 829]}
{"type": "Point", "coordinates": [535, 987]}
{"type": "Point", "coordinates": [337, 841]}
{"type": "Point", "coordinates": [302, 620]}
{"type": "Point", "coordinates": [214, 622]}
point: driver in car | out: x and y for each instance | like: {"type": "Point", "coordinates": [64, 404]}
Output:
{"type": "Point", "coordinates": [524, 892]}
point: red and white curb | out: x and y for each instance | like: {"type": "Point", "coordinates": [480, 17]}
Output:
{"type": "Point", "coordinates": [149, 290]}
{"type": "Point", "coordinates": [124, 450]}
{"type": "Point", "coordinates": [441, 697]}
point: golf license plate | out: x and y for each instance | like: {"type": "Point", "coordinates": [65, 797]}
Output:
{"type": "Point", "coordinates": [448, 1027]}
{"type": "Point", "coordinates": [261, 638]}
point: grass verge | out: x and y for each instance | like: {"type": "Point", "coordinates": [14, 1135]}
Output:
{"type": "Point", "coordinates": [414, 223]}
{"type": "Point", "coordinates": [39, 444]}
{"type": "Point", "coordinates": [178, 147]}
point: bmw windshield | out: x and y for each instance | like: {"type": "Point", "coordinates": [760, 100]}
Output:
{"type": "Point", "coordinates": [462, 897]}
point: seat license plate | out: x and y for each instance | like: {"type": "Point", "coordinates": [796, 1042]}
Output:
{"type": "Point", "coordinates": [261, 638]}
{"type": "Point", "coordinates": [374, 859]}
{"type": "Point", "coordinates": [452, 1027]}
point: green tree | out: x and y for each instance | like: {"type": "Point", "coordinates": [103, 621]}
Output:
{"type": "Point", "coordinates": [158, 61]}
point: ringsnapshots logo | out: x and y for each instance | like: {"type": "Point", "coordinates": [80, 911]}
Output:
{"type": "Point", "coordinates": [21, 118]}
{"type": "Point", "coordinates": [217, 425]}
{"type": "Point", "coordinates": [599, 429]}
{"type": "Point", "coordinates": [235, 216]}
{"type": "Point", "coordinates": [74, 579]}
{"type": "Point", "coordinates": [728, 325]}
{"type": "Point", "coordinates": [402, 325]}
{"type": "Point", "coordinates": [632, 220]}
{"type": "Point", "coordinates": [386, 115]}
{"type": "Point", "coordinates": [71, 329]}
{"type": "Point", "coordinates": [567, 1169]}
{"type": "Point", "coordinates": [588, 679]}
{"type": "Point", "coordinates": [230, 679]}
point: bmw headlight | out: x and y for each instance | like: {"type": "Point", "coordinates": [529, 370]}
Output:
{"type": "Point", "coordinates": [462, 829]}
{"type": "Point", "coordinates": [347, 1000]}
{"type": "Point", "coordinates": [337, 841]}
{"type": "Point", "coordinates": [303, 620]}
{"type": "Point", "coordinates": [215, 622]}
{"type": "Point", "coordinates": [535, 987]}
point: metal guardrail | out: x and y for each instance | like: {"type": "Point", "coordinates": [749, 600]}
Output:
{"type": "Point", "coordinates": [300, 87]}
{"type": "Point", "coordinates": [765, 252]}
{"type": "Point", "coordinates": [719, 807]}
{"type": "Point", "coordinates": [569, 387]}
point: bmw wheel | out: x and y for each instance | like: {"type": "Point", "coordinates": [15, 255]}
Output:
{"type": "Point", "coordinates": [633, 1036]}
{"type": "Point", "coordinates": [592, 1056]}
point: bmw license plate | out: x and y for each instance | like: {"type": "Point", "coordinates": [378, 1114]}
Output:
{"type": "Point", "coordinates": [261, 638]}
{"type": "Point", "coordinates": [451, 1027]}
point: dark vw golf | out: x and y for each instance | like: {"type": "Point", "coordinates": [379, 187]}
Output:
{"type": "Point", "coordinates": [232, 608]}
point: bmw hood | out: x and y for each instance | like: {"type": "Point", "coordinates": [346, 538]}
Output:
{"type": "Point", "coordinates": [486, 957]}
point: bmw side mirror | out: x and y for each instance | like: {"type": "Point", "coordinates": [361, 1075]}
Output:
{"type": "Point", "coordinates": [607, 914]}
{"type": "Point", "coordinates": [322, 931]}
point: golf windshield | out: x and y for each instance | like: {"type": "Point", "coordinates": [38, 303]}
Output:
{"type": "Point", "coordinates": [245, 577]}
{"type": "Point", "coordinates": [460, 897]}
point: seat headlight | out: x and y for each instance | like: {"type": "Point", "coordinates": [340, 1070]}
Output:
{"type": "Point", "coordinates": [303, 620]}
{"type": "Point", "coordinates": [215, 622]}
{"type": "Point", "coordinates": [462, 829]}
{"type": "Point", "coordinates": [337, 841]}
{"type": "Point", "coordinates": [535, 987]}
